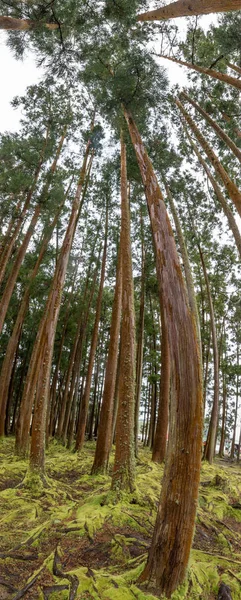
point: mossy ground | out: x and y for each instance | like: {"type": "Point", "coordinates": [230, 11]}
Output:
{"type": "Point", "coordinates": [77, 542]}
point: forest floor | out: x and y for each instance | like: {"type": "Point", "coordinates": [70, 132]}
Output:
{"type": "Point", "coordinates": [73, 541]}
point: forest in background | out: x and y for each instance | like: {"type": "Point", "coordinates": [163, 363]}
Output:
{"type": "Point", "coordinates": [120, 298]}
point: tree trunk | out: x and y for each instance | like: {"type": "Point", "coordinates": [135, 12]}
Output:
{"type": "Point", "coordinates": [231, 188]}
{"type": "Point", "coordinates": [223, 136]}
{"type": "Point", "coordinates": [223, 429]}
{"type": "Point", "coordinates": [140, 342]}
{"type": "Point", "coordinates": [43, 347]}
{"type": "Point", "coordinates": [211, 439]}
{"type": "Point", "coordinates": [236, 410]}
{"type": "Point", "coordinates": [160, 440]}
{"type": "Point", "coordinates": [234, 67]}
{"type": "Point", "coordinates": [227, 211]}
{"type": "Point", "coordinates": [123, 478]}
{"type": "Point", "coordinates": [104, 437]}
{"type": "Point", "coordinates": [185, 8]}
{"type": "Point", "coordinates": [172, 539]}
{"type": "Point", "coordinates": [80, 438]}
{"type": "Point", "coordinates": [233, 81]}
{"type": "Point", "coordinates": [10, 23]}
{"type": "Point", "coordinates": [186, 262]}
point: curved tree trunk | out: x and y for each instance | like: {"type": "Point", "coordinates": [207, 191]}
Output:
{"type": "Point", "coordinates": [10, 23]}
{"type": "Point", "coordinates": [80, 438]}
{"type": "Point", "coordinates": [187, 8]}
{"type": "Point", "coordinates": [211, 439]}
{"type": "Point", "coordinates": [227, 211]}
{"type": "Point", "coordinates": [215, 126]}
{"type": "Point", "coordinates": [233, 81]}
{"type": "Point", "coordinates": [174, 528]}
{"type": "Point", "coordinates": [231, 188]}
{"type": "Point", "coordinates": [104, 437]}
{"type": "Point", "coordinates": [123, 478]}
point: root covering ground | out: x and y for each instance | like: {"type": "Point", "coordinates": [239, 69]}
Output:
{"type": "Point", "coordinates": [73, 540]}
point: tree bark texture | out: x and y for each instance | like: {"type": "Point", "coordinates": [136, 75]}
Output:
{"type": "Point", "coordinates": [123, 478]}
{"type": "Point", "coordinates": [211, 439]}
{"type": "Point", "coordinates": [188, 8]}
{"type": "Point", "coordinates": [174, 528]}
{"type": "Point", "coordinates": [233, 81]}
{"type": "Point", "coordinates": [10, 23]}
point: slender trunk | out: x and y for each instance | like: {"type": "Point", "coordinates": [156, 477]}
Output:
{"type": "Point", "coordinates": [160, 440]}
{"type": "Point", "coordinates": [185, 8]}
{"type": "Point", "coordinates": [95, 398]}
{"type": "Point", "coordinates": [223, 136]}
{"type": "Point", "coordinates": [123, 477]}
{"type": "Point", "coordinates": [86, 397]}
{"type": "Point", "coordinates": [140, 342]}
{"type": "Point", "coordinates": [210, 445]}
{"type": "Point", "coordinates": [104, 437]}
{"type": "Point", "coordinates": [12, 24]}
{"type": "Point", "coordinates": [230, 186]}
{"type": "Point", "coordinates": [233, 81]}
{"type": "Point", "coordinates": [223, 429]}
{"type": "Point", "coordinates": [186, 262]}
{"type": "Point", "coordinates": [172, 540]}
{"type": "Point", "coordinates": [234, 67]}
{"type": "Point", "coordinates": [40, 364]}
{"type": "Point", "coordinates": [6, 370]}
{"type": "Point", "coordinates": [221, 198]}
{"type": "Point", "coordinates": [236, 409]}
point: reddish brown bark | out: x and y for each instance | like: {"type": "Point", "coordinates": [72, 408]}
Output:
{"type": "Point", "coordinates": [104, 438]}
{"type": "Point", "coordinates": [13, 24]}
{"type": "Point", "coordinates": [140, 341]}
{"type": "Point", "coordinates": [234, 67]}
{"type": "Point", "coordinates": [123, 477]}
{"type": "Point", "coordinates": [230, 186]}
{"type": "Point", "coordinates": [233, 81]}
{"type": "Point", "coordinates": [173, 533]}
{"type": "Point", "coordinates": [211, 439]}
{"type": "Point", "coordinates": [185, 8]}
{"type": "Point", "coordinates": [160, 440]}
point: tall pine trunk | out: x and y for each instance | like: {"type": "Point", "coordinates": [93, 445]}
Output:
{"type": "Point", "coordinates": [233, 81]}
{"type": "Point", "coordinates": [13, 24]}
{"type": "Point", "coordinates": [187, 8]}
{"type": "Point", "coordinates": [123, 478]}
{"type": "Point", "coordinates": [174, 528]}
{"type": "Point", "coordinates": [211, 439]}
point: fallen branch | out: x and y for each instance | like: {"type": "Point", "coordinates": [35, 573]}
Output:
{"type": "Point", "coordinates": [27, 587]}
